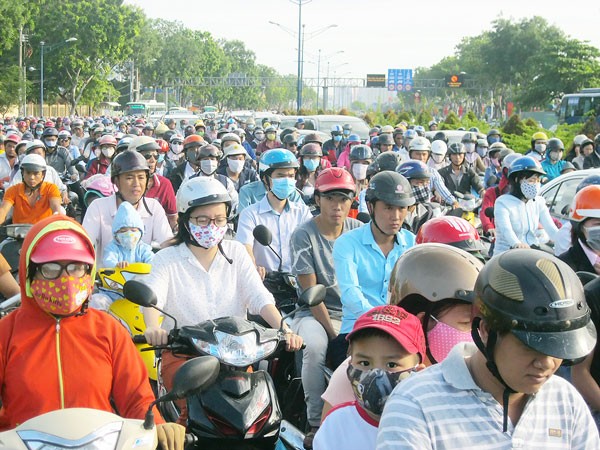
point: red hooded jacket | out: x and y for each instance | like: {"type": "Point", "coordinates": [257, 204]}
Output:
{"type": "Point", "coordinates": [78, 361]}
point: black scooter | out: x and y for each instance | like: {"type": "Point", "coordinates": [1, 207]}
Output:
{"type": "Point", "coordinates": [240, 409]}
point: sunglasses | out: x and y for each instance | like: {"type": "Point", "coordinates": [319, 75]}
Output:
{"type": "Point", "coordinates": [52, 270]}
{"type": "Point", "coordinates": [151, 155]}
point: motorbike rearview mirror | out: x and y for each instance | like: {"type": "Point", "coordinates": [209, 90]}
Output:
{"type": "Point", "coordinates": [192, 377]}
{"type": "Point", "coordinates": [363, 217]}
{"type": "Point", "coordinates": [139, 293]}
{"type": "Point", "coordinates": [586, 277]}
{"type": "Point", "coordinates": [312, 296]}
{"type": "Point", "coordinates": [263, 235]}
{"type": "Point", "coordinates": [489, 212]}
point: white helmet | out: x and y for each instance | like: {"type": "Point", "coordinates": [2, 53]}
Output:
{"type": "Point", "coordinates": [235, 149]}
{"type": "Point", "coordinates": [420, 143]}
{"type": "Point", "coordinates": [36, 143]}
{"type": "Point", "coordinates": [200, 191]}
{"type": "Point", "coordinates": [508, 159]}
{"type": "Point", "coordinates": [578, 140]}
{"type": "Point", "coordinates": [438, 147]}
{"type": "Point", "coordinates": [33, 163]}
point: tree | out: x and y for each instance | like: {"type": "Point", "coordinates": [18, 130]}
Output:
{"type": "Point", "coordinates": [9, 88]}
{"type": "Point", "coordinates": [104, 30]}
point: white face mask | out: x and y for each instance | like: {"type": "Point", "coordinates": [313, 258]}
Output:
{"type": "Point", "coordinates": [308, 190]}
{"type": "Point", "coordinates": [208, 166]}
{"type": "Point", "coordinates": [540, 148]}
{"type": "Point", "coordinates": [359, 171]}
{"type": "Point", "coordinates": [108, 151]}
{"type": "Point", "coordinates": [176, 148]}
{"type": "Point", "coordinates": [235, 165]}
{"type": "Point", "coordinates": [470, 147]}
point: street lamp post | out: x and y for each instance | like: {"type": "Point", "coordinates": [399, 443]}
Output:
{"type": "Point", "coordinates": [42, 50]}
{"type": "Point", "coordinates": [319, 71]}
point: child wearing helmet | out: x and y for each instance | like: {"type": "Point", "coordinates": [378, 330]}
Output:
{"type": "Point", "coordinates": [32, 199]}
{"type": "Point", "coordinates": [93, 362]}
{"type": "Point", "coordinates": [518, 213]}
{"type": "Point", "coordinates": [500, 392]}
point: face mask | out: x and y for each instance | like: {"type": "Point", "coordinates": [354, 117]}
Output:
{"type": "Point", "coordinates": [438, 159]}
{"type": "Point", "coordinates": [554, 156]}
{"type": "Point", "coordinates": [422, 194]}
{"type": "Point", "coordinates": [373, 387]}
{"type": "Point", "coordinates": [50, 144]}
{"type": "Point", "coordinates": [482, 151]}
{"type": "Point", "coordinates": [271, 136]}
{"type": "Point", "coordinates": [235, 165]}
{"type": "Point", "coordinates": [176, 148]}
{"type": "Point", "coordinates": [308, 191]}
{"type": "Point", "coordinates": [208, 236]}
{"type": "Point", "coordinates": [495, 162]}
{"type": "Point", "coordinates": [311, 164]}
{"type": "Point", "coordinates": [470, 147]}
{"type": "Point", "coordinates": [62, 296]}
{"type": "Point", "coordinates": [442, 337]}
{"type": "Point", "coordinates": [540, 148]}
{"type": "Point", "coordinates": [259, 136]}
{"type": "Point", "coordinates": [161, 158]}
{"type": "Point", "coordinates": [493, 140]}
{"type": "Point", "coordinates": [282, 188]}
{"type": "Point", "coordinates": [592, 237]}
{"type": "Point", "coordinates": [128, 239]}
{"type": "Point", "coordinates": [108, 151]}
{"type": "Point", "coordinates": [38, 133]}
{"type": "Point", "coordinates": [530, 190]}
{"type": "Point", "coordinates": [346, 132]}
{"type": "Point", "coordinates": [359, 171]}
{"type": "Point", "coordinates": [208, 166]}
{"type": "Point", "coordinates": [337, 138]}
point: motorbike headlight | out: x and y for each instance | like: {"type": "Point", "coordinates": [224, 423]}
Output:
{"type": "Point", "coordinates": [104, 438]}
{"type": "Point", "coordinates": [238, 351]}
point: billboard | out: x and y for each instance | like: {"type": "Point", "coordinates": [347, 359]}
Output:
{"type": "Point", "coordinates": [376, 80]}
{"type": "Point", "coordinates": [454, 81]}
{"type": "Point", "coordinates": [400, 80]}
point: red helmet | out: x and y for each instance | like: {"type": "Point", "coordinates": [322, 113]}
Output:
{"type": "Point", "coordinates": [13, 137]}
{"type": "Point", "coordinates": [66, 244]}
{"type": "Point", "coordinates": [335, 179]}
{"type": "Point", "coordinates": [450, 230]}
{"type": "Point", "coordinates": [164, 145]}
{"type": "Point", "coordinates": [49, 124]}
{"type": "Point", "coordinates": [108, 139]}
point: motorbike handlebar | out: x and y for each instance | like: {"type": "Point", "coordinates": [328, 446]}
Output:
{"type": "Point", "coordinates": [139, 339]}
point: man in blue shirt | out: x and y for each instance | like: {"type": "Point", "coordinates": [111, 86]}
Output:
{"type": "Point", "coordinates": [364, 257]}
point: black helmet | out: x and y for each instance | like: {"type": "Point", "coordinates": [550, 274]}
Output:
{"type": "Point", "coordinates": [386, 139]}
{"type": "Point", "coordinates": [388, 161]}
{"type": "Point", "coordinates": [50, 132]}
{"type": "Point", "coordinates": [128, 161]}
{"type": "Point", "coordinates": [209, 150]}
{"type": "Point", "coordinates": [469, 137]}
{"type": "Point", "coordinates": [390, 187]}
{"type": "Point", "coordinates": [440, 136]}
{"type": "Point", "coordinates": [456, 148]}
{"type": "Point", "coordinates": [360, 151]}
{"type": "Point", "coordinates": [540, 300]}
{"type": "Point", "coordinates": [555, 144]}
{"type": "Point", "coordinates": [311, 149]}
{"type": "Point", "coordinates": [597, 140]}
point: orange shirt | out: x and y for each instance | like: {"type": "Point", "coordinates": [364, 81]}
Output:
{"type": "Point", "coordinates": [23, 212]}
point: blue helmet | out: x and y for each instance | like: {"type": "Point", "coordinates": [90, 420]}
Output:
{"type": "Point", "coordinates": [525, 164]}
{"type": "Point", "coordinates": [354, 138]}
{"type": "Point", "coordinates": [277, 158]}
{"type": "Point", "coordinates": [413, 169]}
{"type": "Point", "coordinates": [588, 181]}
{"type": "Point", "coordinates": [410, 134]}
{"type": "Point", "coordinates": [420, 130]}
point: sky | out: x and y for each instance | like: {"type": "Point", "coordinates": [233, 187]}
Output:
{"type": "Point", "coordinates": [370, 36]}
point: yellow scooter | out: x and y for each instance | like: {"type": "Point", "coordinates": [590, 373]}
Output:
{"type": "Point", "coordinates": [110, 283]}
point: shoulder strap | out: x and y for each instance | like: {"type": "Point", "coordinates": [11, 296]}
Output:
{"type": "Point", "coordinates": [222, 179]}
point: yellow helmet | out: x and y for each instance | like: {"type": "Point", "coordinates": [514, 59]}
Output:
{"type": "Point", "coordinates": [538, 136]}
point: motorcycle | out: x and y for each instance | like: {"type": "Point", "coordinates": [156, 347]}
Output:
{"type": "Point", "coordinates": [241, 407]}
{"type": "Point", "coordinates": [468, 207]}
{"type": "Point", "coordinates": [110, 283]}
{"type": "Point", "coordinates": [10, 247]}
{"type": "Point", "coordinates": [84, 428]}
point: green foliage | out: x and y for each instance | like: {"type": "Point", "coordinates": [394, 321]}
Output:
{"type": "Point", "coordinates": [451, 122]}
{"type": "Point", "coordinates": [9, 88]}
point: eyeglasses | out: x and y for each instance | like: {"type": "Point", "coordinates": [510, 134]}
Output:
{"type": "Point", "coordinates": [292, 144]}
{"type": "Point", "coordinates": [204, 221]}
{"type": "Point", "coordinates": [52, 270]}
{"type": "Point", "coordinates": [151, 155]}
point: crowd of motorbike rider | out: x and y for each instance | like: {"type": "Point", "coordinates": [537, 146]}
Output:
{"type": "Point", "coordinates": [202, 189]}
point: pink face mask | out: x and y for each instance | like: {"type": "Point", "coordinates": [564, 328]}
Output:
{"type": "Point", "coordinates": [442, 337]}
{"type": "Point", "coordinates": [62, 296]}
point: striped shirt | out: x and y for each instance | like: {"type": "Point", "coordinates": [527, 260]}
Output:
{"type": "Point", "coordinates": [443, 408]}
